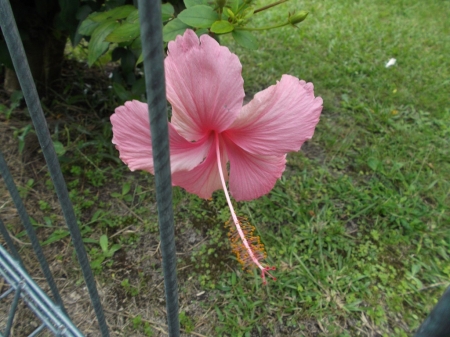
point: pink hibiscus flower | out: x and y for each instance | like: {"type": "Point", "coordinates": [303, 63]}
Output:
{"type": "Point", "coordinates": [210, 127]}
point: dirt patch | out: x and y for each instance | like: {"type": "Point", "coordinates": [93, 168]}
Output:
{"type": "Point", "coordinates": [140, 263]}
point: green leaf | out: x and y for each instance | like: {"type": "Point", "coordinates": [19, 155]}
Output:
{"type": "Point", "coordinates": [97, 44]}
{"type": "Point", "coordinates": [192, 3]}
{"type": "Point", "coordinates": [233, 5]}
{"type": "Point", "coordinates": [113, 249]}
{"type": "Point", "coordinates": [199, 16]}
{"type": "Point", "coordinates": [245, 39]}
{"type": "Point", "coordinates": [219, 314]}
{"type": "Point", "coordinates": [89, 240]}
{"type": "Point", "coordinates": [128, 62]}
{"type": "Point", "coordinates": [59, 148]}
{"type": "Point", "coordinates": [173, 28]}
{"type": "Point", "coordinates": [87, 27]}
{"type": "Point", "coordinates": [133, 17]}
{"type": "Point", "coordinates": [97, 215]}
{"type": "Point", "coordinates": [222, 27]}
{"type": "Point", "coordinates": [140, 59]}
{"type": "Point", "coordinates": [57, 235]}
{"type": "Point", "coordinates": [118, 53]}
{"type": "Point", "coordinates": [202, 31]}
{"type": "Point", "coordinates": [138, 87]}
{"type": "Point", "coordinates": [103, 242]}
{"type": "Point", "coordinates": [167, 11]}
{"type": "Point", "coordinates": [114, 14]}
{"type": "Point", "coordinates": [83, 12]}
{"type": "Point", "coordinates": [127, 32]}
{"type": "Point", "coordinates": [21, 137]}
{"type": "Point", "coordinates": [124, 95]}
{"type": "Point", "coordinates": [97, 263]}
{"type": "Point", "coordinates": [373, 163]}
{"type": "Point", "coordinates": [48, 221]}
{"type": "Point", "coordinates": [16, 96]}
{"type": "Point", "coordinates": [126, 188]}
{"type": "Point", "coordinates": [247, 13]}
{"type": "Point", "coordinates": [137, 44]}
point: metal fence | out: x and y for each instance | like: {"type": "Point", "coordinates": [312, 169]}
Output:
{"type": "Point", "coordinates": [22, 287]}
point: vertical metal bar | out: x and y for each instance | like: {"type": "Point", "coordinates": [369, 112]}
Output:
{"type": "Point", "coordinates": [437, 324]}
{"type": "Point", "coordinates": [9, 242]}
{"type": "Point", "coordinates": [7, 177]}
{"type": "Point", "coordinates": [153, 51]}
{"type": "Point", "coordinates": [16, 50]}
{"type": "Point", "coordinates": [12, 311]}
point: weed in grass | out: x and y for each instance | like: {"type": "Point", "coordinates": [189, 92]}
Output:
{"type": "Point", "coordinates": [24, 190]}
{"type": "Point", "coordinates": [186, 323]}
{"type": "Point", "coordinates": [124, 194]}
{"type": "Point", "coordinates": [15, 98]}
{"type": "Point", "coordinates": [129, 289]}
{"type": "Point", "coordinates": [21, 134]}
{"type": "Point", "coordinates": [143, 326]}
{"type": "Point", "coordinates": [44, 205]}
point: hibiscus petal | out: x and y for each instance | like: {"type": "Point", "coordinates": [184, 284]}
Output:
{"type": "Point", "coordinates": [203, 84]}
{"type": "Point", "coordinates": [251, 175]}
{"type": "Point", "coordinates": [186, 155]}
{"type": "Point", "coordinates": [131, 135]}
{"type": "Point", "coordinates": [279, 119]}
{"type": "Point", "coordinates": [204, 179]}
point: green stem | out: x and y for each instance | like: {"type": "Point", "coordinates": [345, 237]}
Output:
{"type": "Point", "coordinates": [269, 6]}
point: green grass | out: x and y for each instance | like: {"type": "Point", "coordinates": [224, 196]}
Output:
{"type": "Point", "coordinates": [358, 226]}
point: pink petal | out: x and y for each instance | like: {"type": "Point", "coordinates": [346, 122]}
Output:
{"type": "Point", "coordinates": [251, 175]}
{"type": "Point", "coordinates": [279, 119]}
{"type": "Point", "coordinates": [204, 179]}
{"type": "Point", "coordinates": [186, 155]}
{"type": "Point", "coordinates": [204, 85]}
{"type": "Point", "coordinates": [131, 135]}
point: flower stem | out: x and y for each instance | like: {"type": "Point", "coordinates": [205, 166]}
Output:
{"type": "Point", "coordinates": [269, 6]}
{"type": "Point", "coordinates": [264, 270]}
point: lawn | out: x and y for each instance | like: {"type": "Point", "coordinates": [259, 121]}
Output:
{"type": "Point", "coordinates": [359, 224]}
{"type": "Point", "coordinates": [358, 227]}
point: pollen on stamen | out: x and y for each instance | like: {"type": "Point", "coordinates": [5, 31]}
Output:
{"type": "Point", "coordinates": [254, 241]}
